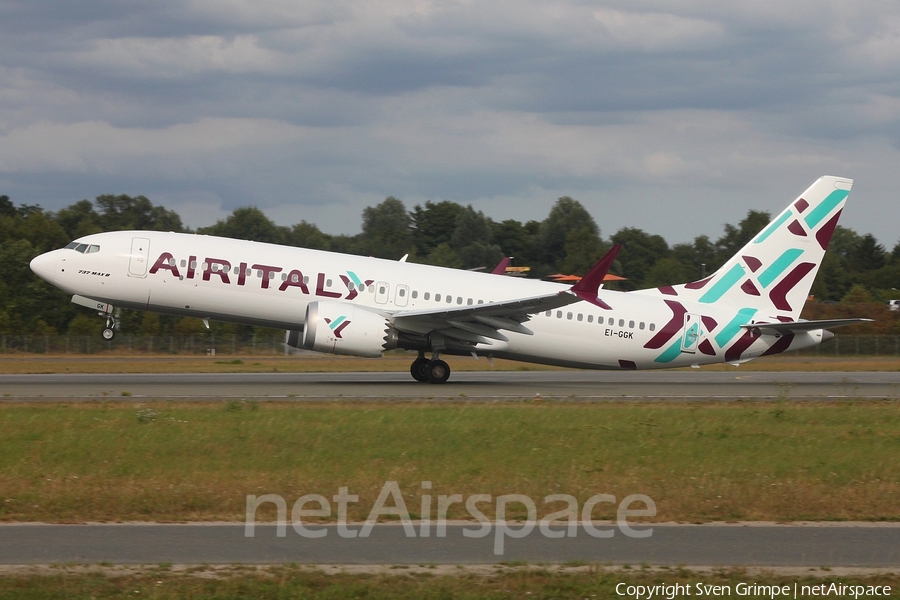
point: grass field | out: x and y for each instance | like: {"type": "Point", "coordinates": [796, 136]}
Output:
{"type": "Point", "coordinates": [166, 461]}
{"type": "Point", "coordinates": [393, 361]}
{"type": "Point", "coordinates": [420, 584]}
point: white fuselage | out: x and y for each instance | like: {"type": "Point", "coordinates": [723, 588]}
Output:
{"type": "Point", "coordinates": [269, 285]}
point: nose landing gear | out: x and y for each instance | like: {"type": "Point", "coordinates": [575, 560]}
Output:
{"type": "Point", "coordinates": [432, 371]}
{"type": "Point", "coordinates": [109, 332]}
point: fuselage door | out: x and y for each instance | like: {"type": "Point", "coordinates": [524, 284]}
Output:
{"type": "Point", "coordinates": [691, 333]}
{"type": "Point", "coordinates": [401, 295]}
{"type": "Point", "coordinates": [140, 253]}
{"type": "Point", "coordinates": [382, 292]}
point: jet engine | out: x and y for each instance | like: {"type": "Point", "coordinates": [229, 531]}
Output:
{"type": "Point", "coordinates": [341, 328]}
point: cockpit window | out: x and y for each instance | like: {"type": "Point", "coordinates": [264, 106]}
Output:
{"type": "Point", "coordinates": [83, 248]}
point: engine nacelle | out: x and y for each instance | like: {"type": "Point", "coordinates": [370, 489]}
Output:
{"type": "Point", "coordinates": [342, 328]}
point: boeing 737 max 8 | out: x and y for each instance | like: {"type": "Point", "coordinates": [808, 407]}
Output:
{"type": "Point", "coordinates": [361, 306]}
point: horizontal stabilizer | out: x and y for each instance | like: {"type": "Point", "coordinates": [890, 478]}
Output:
{"type": "Point", "coordinates": [801, 326]}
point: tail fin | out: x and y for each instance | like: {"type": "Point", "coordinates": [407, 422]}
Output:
{"type": "Point", "coordinates": [774, 272]}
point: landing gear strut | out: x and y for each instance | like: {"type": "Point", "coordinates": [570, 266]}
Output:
{"type": "Point", "coordinates": [432, 371]}
{"type": "Point", "coordinates": [109, 332]}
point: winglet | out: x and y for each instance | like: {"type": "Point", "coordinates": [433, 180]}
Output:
{"type": "Point", "coordinates": [500, 269]}
{"type": "Point", "coordinates": [587, 288]}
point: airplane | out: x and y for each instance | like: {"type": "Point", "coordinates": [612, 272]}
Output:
{"type": "Point", "coordinates": [363, 306]}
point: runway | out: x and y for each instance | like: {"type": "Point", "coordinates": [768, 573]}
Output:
{"type": "Point", "coordinates": [468, 386]}
{"type": "Point", "coordinates": [690, 545]}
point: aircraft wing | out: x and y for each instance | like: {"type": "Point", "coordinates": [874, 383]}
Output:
{"type": "Point", "coordinates": [480, 323]}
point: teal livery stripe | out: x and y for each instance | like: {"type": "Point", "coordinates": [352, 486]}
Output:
{"type": "Point", "coordinates": [354, 278]}
{"type": "Point", "coordinates": [671, 353]}
{"type": "Point", "coordinates": [778, 267]}
{"type": "Point", "coordinates": [723, 285]}
{"type": "Point", "coordinates": [734, 326]}
{"type": "Point", "coordinates": [827, 205]}
{"type": "Point", "coordinates": [334, 324]}
{"type": "Point", "coordinates": [771, 228]}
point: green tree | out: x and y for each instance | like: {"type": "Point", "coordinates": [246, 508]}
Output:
{"type": "Point", "coordinates": [125, 212]}
{"type": "Point", "coordinates": [247, 223]}
{"type": "Point", "coordinates": [79, 219]}
{"type": "Point", "coordinates": [582, 250]}
{"type": "Point", "coordinates": [387, 229]}
{"type": "Point", "coordinates": [567, 215]}
{"type": "Point", "coordinates": [433, 224]}
{"type": "Point", "coordinates": [6, 207]}
{"type": "Point", "coordinates": [868, 254]}
{"type": "Point", "coordinates": [444, 256]}
{"type": "Point", "coordinates": [667, 271]}
{"type": "Point", "coordinates": [640, 251]}
{"type": "Point", "coordinates": [736, 238]}
{"type": "Point", "coordinates": [308, 235]}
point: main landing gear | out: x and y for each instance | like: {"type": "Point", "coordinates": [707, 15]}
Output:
{"type": "Point", "coordinates": [433, 371]}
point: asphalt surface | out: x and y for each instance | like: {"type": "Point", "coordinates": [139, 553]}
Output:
{"type": "Point", "coordinates": [690, 545]}
{"type": "Point", "coordinates": [482, 385]}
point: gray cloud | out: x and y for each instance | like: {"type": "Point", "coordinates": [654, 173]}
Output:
{"type": "Point", "coordinates": [675, 117]}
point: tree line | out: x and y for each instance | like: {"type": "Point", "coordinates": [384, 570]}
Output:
{"type": "Point", "coordinates": [857, 269]}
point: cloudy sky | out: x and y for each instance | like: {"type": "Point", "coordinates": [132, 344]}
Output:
{"type": "Point", "coordinates": [672, 116]}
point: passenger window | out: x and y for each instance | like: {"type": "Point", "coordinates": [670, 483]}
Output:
{"type": "Point", "coordinates": [294, 278]}
{"type": "Point", "coordinates": [437, 297]}
{"type": "Point", "coordinates": [449, 299]}
{"type": "Point", "coordinates": [652, 326]}
{"type": "Point", "coordinates": [621, 322]}
{"type": "Point", "coordinates": [482, 302]}
{"type": "Point", "coordinates": [569, 316]}
{"type": "Point", "coordinates": [284, 276]}
{"type": "Point", "coordinates": [580, 316]}
{"type": "Point", "coordinates": [630, 324]}
{"type": "Point", "coordinates": [382, 290]}
{"type": "Point", "coordinates": [415, 294]}
{"type": "Point", "coordinates": [194, 265]}
{"type": "Point", "coordinates": [559, 314]}
{"type": "Point", "coordinates": [237, 270]}
{"type": "Point", "coordinates": [183, 263]}
{"type": "Point", "coordinates": [549, 312]}
{"type": "Point", "coordinates": [427, 295]}
{"type": "Point", "coordinates": [641, 325]}
{"type": "Point", "coordinates": [459, 299]}
{"type": "Point", "coordinates": [271, 274]}
{"type": "Point", "coordinates": [611, 321]}
{"type": "Point", "coordinates": [306, 280]}
{"type": "Point", "coordinates": [371, 287]}
{"type": "Point", "coordinates": [327, 283]}
{"type": "Point", "coordinates": [401, 292]}
{"type": "Point", "coordinates": [469, 302]}
{"type": "Point", "coordinates": [590, 318]}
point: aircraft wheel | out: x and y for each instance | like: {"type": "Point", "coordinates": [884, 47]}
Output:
{"type": "Point", "coordinates": [108, 334]}
{"type": "Point", "coordinates": [437, 371]}
{"type": "Point", "coordinates": [417, 369]}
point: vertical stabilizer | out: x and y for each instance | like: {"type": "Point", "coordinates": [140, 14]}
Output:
{"type": "Point", "coordinates": [774, 272]}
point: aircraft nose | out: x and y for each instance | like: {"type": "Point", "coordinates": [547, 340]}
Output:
{"type": "Point", "coordinates": [44, 266]}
